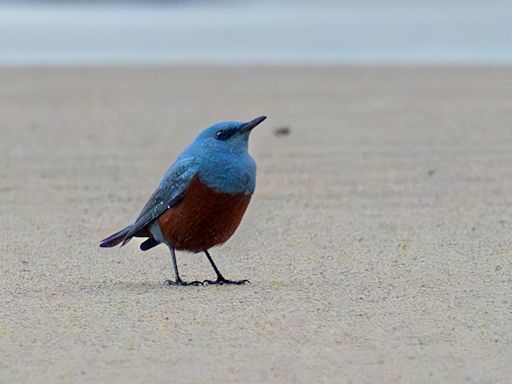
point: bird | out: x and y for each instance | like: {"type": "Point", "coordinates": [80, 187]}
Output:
{"type": "Point", "coordinates": [201, 198]}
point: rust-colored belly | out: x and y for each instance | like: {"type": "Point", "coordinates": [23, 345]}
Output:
{"type": "Point", "coordinates": [203, 219]}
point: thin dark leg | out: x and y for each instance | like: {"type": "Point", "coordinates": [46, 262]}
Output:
{"type": "Point", "coordinates": [178, 280]}
{"type": "Point", "coordinates": [175, 264]}
{"type": "Point", "coordinates": [220, 279]}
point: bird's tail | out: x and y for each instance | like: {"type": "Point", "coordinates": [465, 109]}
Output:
{"type": "Point", "coordinates": [124, 236]}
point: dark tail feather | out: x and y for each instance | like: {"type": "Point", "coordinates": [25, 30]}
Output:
{"type": "Point", "coordinates": [124, 235]}
{"type": "Point", "coordinates": [148, 244]}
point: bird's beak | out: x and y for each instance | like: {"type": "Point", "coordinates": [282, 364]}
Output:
{"type": "Point", "coordinates": [247, 127]}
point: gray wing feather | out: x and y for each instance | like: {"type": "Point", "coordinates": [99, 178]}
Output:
{"type": "Point", "coordinates": [170, 191]}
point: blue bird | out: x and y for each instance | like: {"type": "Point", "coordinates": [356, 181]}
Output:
{"type": "Point", "coordinates": [201, 199]}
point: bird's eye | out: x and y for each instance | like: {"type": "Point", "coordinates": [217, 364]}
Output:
{"type": "Point", "coordinates": [223, 135]}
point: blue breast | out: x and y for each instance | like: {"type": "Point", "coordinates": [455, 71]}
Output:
{"type": "Point", "coordinates": [229, 174]}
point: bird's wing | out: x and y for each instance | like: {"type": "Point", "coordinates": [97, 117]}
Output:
{"type": "Point", "coordinates": [170, 191]}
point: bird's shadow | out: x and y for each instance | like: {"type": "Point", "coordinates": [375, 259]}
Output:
{"type": "Point", "coordinates": [136, 287]}
{"type": "Point", "coordinates": [133, 287]}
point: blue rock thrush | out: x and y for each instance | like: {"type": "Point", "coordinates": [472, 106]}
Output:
{"type": "Point", "coordinates": [201, 199]}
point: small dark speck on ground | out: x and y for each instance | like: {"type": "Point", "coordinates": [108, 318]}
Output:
{"type": "Point", "coordinates": [282, 131]}
{"type": "Point", "coordinates": [431, 172]}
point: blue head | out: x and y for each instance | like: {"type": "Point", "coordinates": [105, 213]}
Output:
{"type": "Point", "coordinates": [222, 153]}
{"type": "Point", "coordinates": [228, 136]}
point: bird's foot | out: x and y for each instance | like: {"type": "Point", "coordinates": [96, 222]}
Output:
{"type": "Point", "coordinates": [183, 283]}
{"type": "Point", "coordinates": [222, 281]}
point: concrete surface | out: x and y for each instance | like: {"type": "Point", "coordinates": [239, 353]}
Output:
{"type": "Point", "coordinates": [378, 243]}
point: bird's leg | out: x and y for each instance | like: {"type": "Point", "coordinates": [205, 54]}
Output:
{"type": "Point", "coordinates": [220, 279]}
{"type": "Point", "coordinates": [178, 280]}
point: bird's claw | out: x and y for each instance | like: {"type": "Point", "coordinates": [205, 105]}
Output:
{"type": "Point", "coordinates": [225, 281]}
{"type": "Point", "coordinates": [183, 283]}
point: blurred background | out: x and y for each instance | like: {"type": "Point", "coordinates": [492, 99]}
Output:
{"type": "Point", "coordinates": [377, 243]}
{"type": "Point", "coordinates": [250, 31]}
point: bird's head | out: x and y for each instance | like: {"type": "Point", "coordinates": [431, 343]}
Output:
{"type": "Point", "coordinates": [228, 136]}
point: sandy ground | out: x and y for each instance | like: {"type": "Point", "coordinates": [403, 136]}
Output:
{"type": "Point", "coordinates": [378, 243]}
